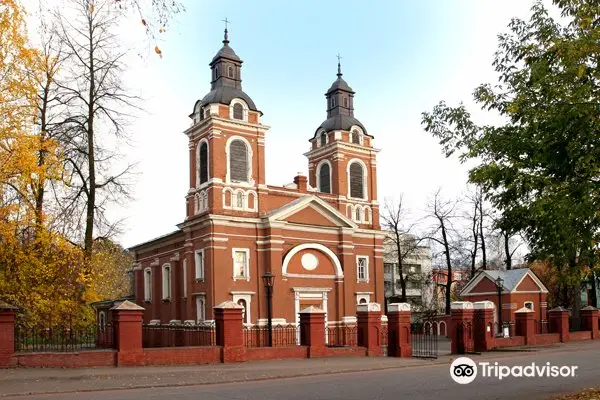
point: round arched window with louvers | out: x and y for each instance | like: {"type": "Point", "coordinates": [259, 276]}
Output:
{"type": "Point", "coordinates": [357, 177]}
{"type": "Point", "coordinates": [325, 178]}
{"type": "Point", "coordinates": [238, 161]}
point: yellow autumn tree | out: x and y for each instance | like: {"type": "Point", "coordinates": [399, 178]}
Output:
{"type": "Point", "coordinates": [40, 271]}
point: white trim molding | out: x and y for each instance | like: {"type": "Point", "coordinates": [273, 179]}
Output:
{"type": "Point", "coordinates": [317, 246]}
{"type": "Point", "coordinates": [247, 267]}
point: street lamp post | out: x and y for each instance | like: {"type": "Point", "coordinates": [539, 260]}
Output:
{"type": "Point", "coordinates": [268, 280]}
{"type": "Point", "coordinates": [499, 287]}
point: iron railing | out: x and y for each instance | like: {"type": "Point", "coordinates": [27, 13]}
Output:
{"type": "Point", "coordinates": [542, 327]}
{"type": "Point", "coordinates": [282, 335]}
{"type": "Point", "coordinates": [63, 338]}
{"type": "Point", "coordinates": [342, 336]}
{"type": "Point", "coordinates": [178, 335]}
{"type": "Point", "coordinates": [424, 339]}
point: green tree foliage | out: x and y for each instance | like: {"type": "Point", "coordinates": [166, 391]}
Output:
{"type": "Point", "coordinates": [541, 168]}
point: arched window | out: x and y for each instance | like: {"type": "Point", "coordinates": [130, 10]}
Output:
{"type": "Point", "coordinates": [148, 284]}
{"type": "Point", "coordinates": [355, 137]}
{"type": "Point", "coordinates": [166, 282]}
{"type": "Point", "coordinates": [325, 178]}
{"type": "Point", "coordinates": [358, 215]}
{"type": "Point", "coordinates": [238, 160]}
{"type": "Point", "coordinates": [239, 200]}
{"type": "Point", "coordinates": [362, 301]}
{"type": "Point", "coordinates": [242, 302]}
{"type": "Point", "coordinates": [216, 71]}
{"type": "Point", "coordinates": [345, 102]}
{"type": "Point", "coordinates": [323, 139]}
{"type": "Point", "coordinates": [238, 111]}
{"type": "Point", "coordinates": [356, 180]}
{"type": "Point", "coordinates": [203, 163]}
{"type": "Point", "coordinates": [230, 71]}
{"type": "Point", "coordinates": [333, 101]}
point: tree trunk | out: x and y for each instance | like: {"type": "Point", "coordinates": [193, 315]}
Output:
{"type": "Point", "coordinates": [448, 266]}
{"type": "Point", "coordinates": [483, 253]}
{"type": "Point", "coordinates": [91, 199]}
{"type": "Point", "coordinates": [400, 268]}
{"type": "Point", "coordinates": [507, 250]}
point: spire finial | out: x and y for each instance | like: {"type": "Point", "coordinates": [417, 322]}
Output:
{"type": "Point", "coordinates": [226, 39]}
{"type": "Point", "coordinates": [339, 74]}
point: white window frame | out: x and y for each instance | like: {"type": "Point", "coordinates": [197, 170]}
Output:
{"type": "Point", "coordinates": [198, 184]}
{"type": "Point", "coordinates": [185, 272]}
{"type": "Point", "coordinates": [200, 308]}
{"type": "Point", "coordinates": [148, 284]}
{"type": "Point", "coordinates": [321, 134]}
{"type": "Point", "coordinates": [247, 269]}
{"type": "Point", "coordinates": [199, 266]}
{"type": "Point", "coordinates": [247, 297]}
{"type": "Point", "coordinates": [319, 166]}
{"type": "Point", "coordinates": [366, 277]}
{"type": "Point", "coordinates": [365, 179]}
{"type": "Point", "coordinates": [244, 106]}
{"type": "Point", "coordinates": [532, 305]}
{"type": "Point", "coordinates": [167, 282]}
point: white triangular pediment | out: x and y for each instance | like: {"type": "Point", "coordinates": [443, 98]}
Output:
{"type": "Point", "coordinates": [315, 203]}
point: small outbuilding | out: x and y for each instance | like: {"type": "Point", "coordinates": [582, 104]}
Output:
{"type": "Point", "coordinates": [515, 289]}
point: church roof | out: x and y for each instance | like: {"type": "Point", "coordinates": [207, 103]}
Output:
{"type": "Point", "coordinates": [339, 84]}
{"type": "Point", "coordinates": [226, 52]}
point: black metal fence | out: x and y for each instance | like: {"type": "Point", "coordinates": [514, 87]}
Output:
{"type": "Point", "coordinates": [342, 335]}
{"type": "Point", "coordinates": [542, 327]}
{"type": "Point", "coordinates": [63, 338]}
{"type": "Point", "coordinates": [424, 339]}
{"type": "Point", "coordinates": [178, 335]}
{"type": "Point", "coordinates": [282, 335]}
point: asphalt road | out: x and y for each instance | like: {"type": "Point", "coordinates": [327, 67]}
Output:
{"type": "Point", "coordinates": [428, 382]}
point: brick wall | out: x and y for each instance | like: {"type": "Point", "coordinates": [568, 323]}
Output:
{"type": "Point", "coordinates": [511, 341]}
{"type": "Point", "coordinates": [84, 359]}
{"type": "Point", "coordinates": [582, 335]}
{"type": "Point", "coordinates": [547, 338]}
{"type": "Point", "coordinates": [276, 353]}
{"type": "Point", "coordinates": [182, 355]}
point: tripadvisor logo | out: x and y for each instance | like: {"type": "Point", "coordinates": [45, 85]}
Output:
{"type": "Point", "coordinates": [463, 370]}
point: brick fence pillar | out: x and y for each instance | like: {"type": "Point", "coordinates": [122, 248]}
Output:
{"type": "Point", "coordinates": [312, 331]}
{"type": "Point", "coordinates": [461, 327]}
{"type": "Point", "coordinates": [229, 331]}
{"type": "Point", "coordinates": [7, 334]}
{"type": "Point", "coordinates": [559, 322]}
{"type": "Point", "coordinates": [589, 316]}
{"type": "Point", "coordinates": [525, 325]}
{"type": "Point", "coordinates": [127, 318]}
{"type": "Point", "coordinates": [483, 325]}
{"type": "Point", "coordinates": [368, 319]}
{"type": "Point", "coordinates": [399, 330]}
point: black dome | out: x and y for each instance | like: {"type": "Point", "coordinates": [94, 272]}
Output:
{"type": "Point", "coordinates": [340, 122]}
{"type": "Point", "coordinates": [224, 95]}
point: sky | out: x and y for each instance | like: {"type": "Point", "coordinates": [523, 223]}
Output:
{"type": "Point", "coordinates": [400, 57]}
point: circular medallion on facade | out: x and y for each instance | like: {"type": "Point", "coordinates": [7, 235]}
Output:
{"type": "Point", "coordinates": [309, 261]}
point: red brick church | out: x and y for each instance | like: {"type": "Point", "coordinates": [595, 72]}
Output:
{"type": "Point", "coordinates": [319, 236]}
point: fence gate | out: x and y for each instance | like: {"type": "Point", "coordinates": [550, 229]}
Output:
{"type": "Point", "coordinates": [464, 337]}
{"type": "Point", "coordinates": [424, 339]}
